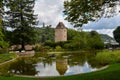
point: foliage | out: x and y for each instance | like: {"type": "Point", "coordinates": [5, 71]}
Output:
{"type": "Point", "coordinates": [58, 48]}
{"type": "Point", "coordinates": [44, 34]}
{"type": "Point", "coordinates": [84, 40]}
{"type": "Point", "coordinates": [3, 44]}
{"type": "Point", "coordinates": [80, 12]}
{"type": "Point", "coordinates": [95, 41]}
{"type": "Point", "coordinates": [116, 34]}
{"type": "Point", "coordinates": [4, 70]}
{"type": "Point", "coordinates": [21, 18]}
{"type": "Point", "coordinates": [78, 40]}
{"type": "Point", "coordinates": [107, 57]}
{"type": "Point", "coordinates": [6, 57]}
{"type": "Point", "coordinates": [40, 48]}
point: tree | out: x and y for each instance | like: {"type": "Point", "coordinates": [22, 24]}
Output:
{"type": "Point", "coordinates": [1, 34]}
{"type": "Point", "coordinates": [21, 18]}
{"type": "Point", "coordinates": [1, 12]}
{"type": "Point", "coordinates": [3, 43]}
{"type": "Point", "coordinates": [95, 41]}
{"type": "Point", "coordinates": [116, 34]}
{"type": "Point", "coordinates": [80, 12]}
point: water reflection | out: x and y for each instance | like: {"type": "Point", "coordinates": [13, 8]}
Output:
{"type": "Point", "coordinates": [61, 66]}
{"type": "Point", "coordinates": [23, 66]}
{"type": "Point", "coordinates": [47, 65]}
{"type": "Point", "coordinates": [80, 69]}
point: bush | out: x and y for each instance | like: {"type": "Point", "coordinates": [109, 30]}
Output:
{"type": "Point", "coordinates": [58, 48]}
{"type": "Point", "coordinates": [107, 57]}
{"type": "Point", "coordinates": [4, 50]}
{"type": "Point", "coordinates": [40, 48]}
{"type": "Point", "coordinates": [4, 70]}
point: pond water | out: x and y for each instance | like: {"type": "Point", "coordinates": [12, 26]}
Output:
{"type": "Point", "coordinates": [54, 64]}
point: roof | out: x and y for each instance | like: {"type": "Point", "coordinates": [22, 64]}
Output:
{"type": "Point", "coordinates": [60, 25]}
{"type": "Point", "coordinates": [112, 42]}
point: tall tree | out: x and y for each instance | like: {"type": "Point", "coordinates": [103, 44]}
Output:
{"type": "Point", "coordinates": [22, 20]}
{"type": "Point", "coordinates": [116, 34]}
{"type": "Point", "coordinates": [95, 41]}
{"type": "Point", "coordinates": [79, 12]}
{"type": "Point", "coordinates": [1, 12]}
{"type": "Point", "coordinates": [3, 43]}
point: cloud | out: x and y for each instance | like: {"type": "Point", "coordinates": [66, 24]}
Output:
{"type": "Point", "coordinates": [102, 31]}
{"type": "Point", "coordinates": [51, 12]}
{"type": "Point", "coordinates": [106, 31]}
{"type": "Point", "coordinates": [104, 23]}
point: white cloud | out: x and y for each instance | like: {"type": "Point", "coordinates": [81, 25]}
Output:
{"type": "Point", "coordinates": [104, 23]}
{"type": "Point", "coordinates": [103, 31]}
{"type": "Point", "coordinates": [106, 31]}
{"type": "Point", "coordinates": [50, 12]}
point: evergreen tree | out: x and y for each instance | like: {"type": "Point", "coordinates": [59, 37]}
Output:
{"type": "Point", "coordinates": [1, 12]}
{"type": "Point", "coordinates": [3, 43]}
{"type": "Point", "coordinates": [21, 19]}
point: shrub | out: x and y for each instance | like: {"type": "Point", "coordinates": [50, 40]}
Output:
{"type": "Point", "coordinates": [107, 57]}
{"type": "Point", "coordinates": [58, 48]}
{"type": "Point", "coordinates": [40, 48]}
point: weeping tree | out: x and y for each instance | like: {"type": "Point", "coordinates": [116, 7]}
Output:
{"type": "Point", "coordinates": [21, 19]}
{"type": "Point", "coordinates": [80, 12]}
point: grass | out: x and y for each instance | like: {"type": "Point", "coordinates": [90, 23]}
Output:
{"type": "Point", "coordinates": [6, 57]}
{"type": "Point", "coordinates": [17, 78]}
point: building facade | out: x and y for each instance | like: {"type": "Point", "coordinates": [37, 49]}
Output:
{"type": "Point", "coordinates": [60, 32]}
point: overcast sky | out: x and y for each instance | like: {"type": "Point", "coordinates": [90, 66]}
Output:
{"type": "Point", "coordinates": [50, 12]}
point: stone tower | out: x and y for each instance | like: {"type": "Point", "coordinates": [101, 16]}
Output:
{"type": "Point", "coordinates": [60, 32]}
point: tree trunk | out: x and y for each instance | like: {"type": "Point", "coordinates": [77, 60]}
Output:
{"type": "Point", "coordinates": [23, 46]}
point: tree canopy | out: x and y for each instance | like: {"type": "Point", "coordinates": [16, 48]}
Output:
{"type": "Point", "coordinates": [21, 18]}
{"type": "Point", "coordinates": [80, 12]}
{"type": "Point", "coordinates": [116, 34]}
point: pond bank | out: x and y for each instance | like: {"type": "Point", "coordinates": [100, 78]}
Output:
{"type": "Point", "coordinates": [4, 58]}
{"type": "Point", "coordinates": [110, 73]}
{"type": "Point", "coordinates": [105, 67]}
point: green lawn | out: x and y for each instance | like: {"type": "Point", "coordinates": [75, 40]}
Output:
{"type": "Point", "coordinates": [111, 73]}
{"type": "Point", "coordinates": [6, 57]}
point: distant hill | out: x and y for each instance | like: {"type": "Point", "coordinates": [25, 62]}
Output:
{"type": "Point", "coordinates": [106, 37]}
{"type": "Point", "coordinates": [47, 33]}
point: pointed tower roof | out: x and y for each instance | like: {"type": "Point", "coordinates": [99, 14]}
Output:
{"type": "Point", "coordinates": [60, 25]}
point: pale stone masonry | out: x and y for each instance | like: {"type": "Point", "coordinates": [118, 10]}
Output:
{"type": "Point", "coordinates": [60, 32]}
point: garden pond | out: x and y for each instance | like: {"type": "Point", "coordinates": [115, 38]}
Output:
{"type": "Point", "coordinates": [53, 64]}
